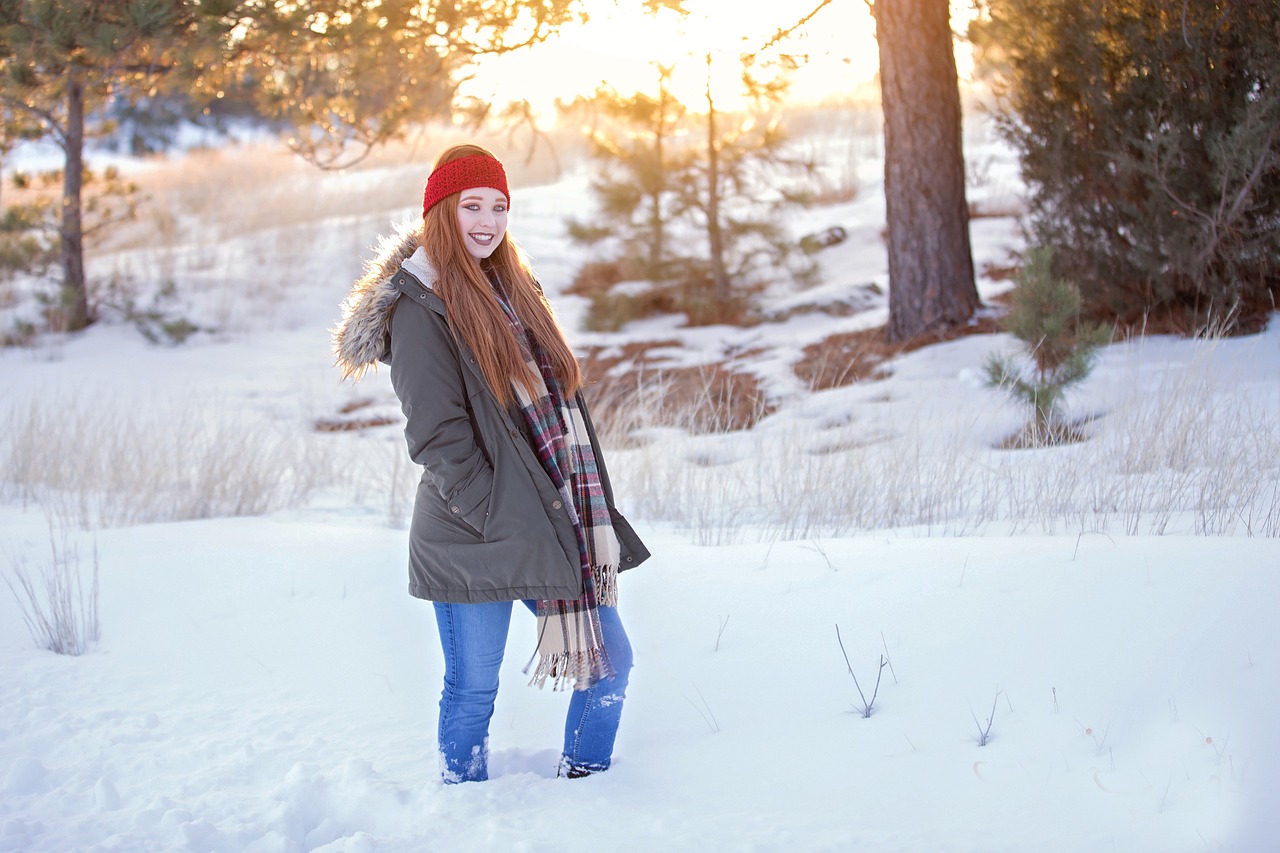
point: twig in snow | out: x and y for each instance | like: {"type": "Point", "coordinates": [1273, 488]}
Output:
{"type": "Point", "coordinates": [1080, 536]}
{"type": "Point", "coordinates": [816, 545]}
{"type": "Point", "coordinates": [1208, 741]}
{"type": "Point", "coordinates": [867, 707]}
{"type": "Point", "coordinates": [887, 659]}
{"type": "Point", "coordinates": [1164, 800]}
{"type": "Point", "coordinates": [1099, 742]}
{"type": "Point", "coordinates": [708, 717]}
{"type": "Point", "coordinates": [984, 735]}
{"type": "Point", "coordinates": [723, 623]}
{"type": "Point", "coordinates": [767, 552]}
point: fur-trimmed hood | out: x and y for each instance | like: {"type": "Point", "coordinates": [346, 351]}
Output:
{"type": "Point", "coordinates": [362, 337]}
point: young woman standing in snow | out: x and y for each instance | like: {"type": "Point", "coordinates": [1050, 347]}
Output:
{"type": "Point", "coordinates": [514, 501]}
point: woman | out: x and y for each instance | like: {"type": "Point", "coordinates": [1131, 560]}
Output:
{"type": "Point", "coordinates": [514, 501]}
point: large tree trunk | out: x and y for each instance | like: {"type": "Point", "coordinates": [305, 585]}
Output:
{"type": "Point", "coordinates": [75, 296]}
{"type": "Point", "coordinates": [931, 286]}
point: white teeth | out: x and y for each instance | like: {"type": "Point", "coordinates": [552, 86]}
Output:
{"type": "Point", "coordinates": [482, 238]}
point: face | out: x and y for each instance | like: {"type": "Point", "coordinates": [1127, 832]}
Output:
{"type": "Point", "coordinates": [482, 220]}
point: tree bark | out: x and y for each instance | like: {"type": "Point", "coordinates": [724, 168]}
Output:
{"type": "Point", "coordinates": [931, 284]}
{"type": "Point", "coordinates": [75, 295]}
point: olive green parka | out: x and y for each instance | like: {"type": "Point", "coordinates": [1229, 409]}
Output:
{"type": "Point", "coordinates": [488, 524]}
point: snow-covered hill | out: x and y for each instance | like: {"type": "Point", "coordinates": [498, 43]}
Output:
{"type": "Point", "coordinates": [264, 683]}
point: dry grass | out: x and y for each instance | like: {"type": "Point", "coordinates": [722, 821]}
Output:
{"type": "Point", "coordinates": [1175, 456]}
{"type": "Point", "coordinates": [93, 462]}
{"type": "Point", "coordinates": [60, 614]}
{"type": "Point", "coordinates": [210, 195]}
{"type": "Point", "coordinates": [633, 385]}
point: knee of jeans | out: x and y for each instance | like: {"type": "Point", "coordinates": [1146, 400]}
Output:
{"type": "Point", "coordinates": [620, 658]}
{"type": "Point", "coordinates": [471, 685]}
{"type": "Point", "coordinates": [473, 674]}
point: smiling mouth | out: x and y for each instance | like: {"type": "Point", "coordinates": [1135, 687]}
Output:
{"type": "Point", "coordinates": [482, 239]}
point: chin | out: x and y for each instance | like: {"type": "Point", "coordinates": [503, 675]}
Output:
{"type": "Point", "coordinates": [479, 252]}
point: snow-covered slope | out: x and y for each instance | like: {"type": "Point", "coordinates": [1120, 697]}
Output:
{"type": "Point", "coordinates": [266, 684]}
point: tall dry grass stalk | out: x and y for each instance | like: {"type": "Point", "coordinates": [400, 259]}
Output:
{"type": "Point", "coordinates": [60, 614]}
{"type": "Point", "coordinates": [91, 461]}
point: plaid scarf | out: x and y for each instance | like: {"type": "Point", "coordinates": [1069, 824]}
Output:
{"type": "Point", "coordinates": [570, 641]}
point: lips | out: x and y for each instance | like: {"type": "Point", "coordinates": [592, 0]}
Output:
{"type": "Point", "coordinates": [482, 239]}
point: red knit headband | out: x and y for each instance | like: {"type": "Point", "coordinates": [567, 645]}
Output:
{"type": "Point", "coordinates": [463, 174]}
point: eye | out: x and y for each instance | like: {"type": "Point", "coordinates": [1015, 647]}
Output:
{"type": "Point", "coordinates": [472, 206]}
{"type": "Point", "coordinates": [499, 208]}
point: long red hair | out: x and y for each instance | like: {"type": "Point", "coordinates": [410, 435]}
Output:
{"type": "Point", "coordinates": [473, 310]}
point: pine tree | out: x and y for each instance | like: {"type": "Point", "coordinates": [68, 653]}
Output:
{"type": "Point", "coordinates": [693, 200]}
{"type": "Point", "coordinates": [638, 160]}
{"type": "Point", "coordinates": [62, 61]}
{"type": "Point", "coordinates": [1044, 313]}
{"type": "Point", "coordinates": [1149, 137]}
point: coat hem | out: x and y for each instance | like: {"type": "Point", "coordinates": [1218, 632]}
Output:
{"type": "Point", "coordinates": [484, 596]}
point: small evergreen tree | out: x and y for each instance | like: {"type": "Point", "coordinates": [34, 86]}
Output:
{"type": "Point", "coordinates": [638, 162]}
{"type": "Point", "coordinates": [693, 200]}
{"type": "Point", "coordinates": [1044, 313]}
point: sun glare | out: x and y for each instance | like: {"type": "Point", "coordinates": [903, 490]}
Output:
{"type": "Point", "coordinates": [620, 46]}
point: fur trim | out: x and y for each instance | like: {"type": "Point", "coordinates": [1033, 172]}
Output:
{"type": "Point", "coordinates": [361, 338]}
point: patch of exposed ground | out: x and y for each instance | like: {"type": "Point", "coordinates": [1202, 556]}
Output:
{"type": "Point", "coordinates": [848, 357]}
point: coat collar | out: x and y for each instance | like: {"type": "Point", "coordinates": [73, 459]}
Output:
{"type": "Point", "coordinates": [361, 337]}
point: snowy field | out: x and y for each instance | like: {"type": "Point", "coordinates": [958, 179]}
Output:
{"type": "Point", "coordinates": [1103, 616]}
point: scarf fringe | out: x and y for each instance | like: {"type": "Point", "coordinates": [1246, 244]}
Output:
{"type": "Point", "coordinates": [584, 669]}
{"type": "Point", "coordinates": [605, 580]}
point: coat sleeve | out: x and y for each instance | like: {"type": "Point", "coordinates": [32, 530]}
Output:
{"type": "Point", "coordinates": [427, 377]}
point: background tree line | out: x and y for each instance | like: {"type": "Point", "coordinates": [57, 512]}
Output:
{"type": "Point", "coordinates": [1147, 131]}
{"type": "Point", "coordinates": [343, 74]}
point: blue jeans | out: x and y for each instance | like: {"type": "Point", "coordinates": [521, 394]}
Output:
{"type": "Point", "coordinates": [473, 637]}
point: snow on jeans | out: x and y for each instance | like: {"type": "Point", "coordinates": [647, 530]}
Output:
{"type": "Point", "coordinates": [473, 637]}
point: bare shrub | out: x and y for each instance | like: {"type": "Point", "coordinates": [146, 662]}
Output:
{"type": "Point", "coordinates": [60, 614]}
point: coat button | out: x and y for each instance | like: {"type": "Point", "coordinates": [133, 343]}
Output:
{"type": "Point", "coordinates": [556, 504]}
{"type": "Point", "coordinates": [455, 509]}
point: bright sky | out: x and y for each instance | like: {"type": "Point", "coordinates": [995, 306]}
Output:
{"type": "Point", "coordinates": [620, 43]}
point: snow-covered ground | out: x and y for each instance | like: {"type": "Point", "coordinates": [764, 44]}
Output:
{"type": "Point", "coordinates": [265, 683]}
